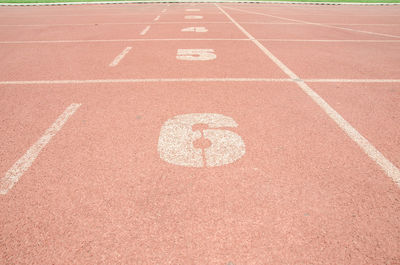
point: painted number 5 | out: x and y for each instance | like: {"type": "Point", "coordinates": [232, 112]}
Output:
{"type": "Point", "coordinates": [199, 140]}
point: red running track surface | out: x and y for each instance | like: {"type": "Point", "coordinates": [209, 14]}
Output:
{"type": "Point", "coordinates": [290, 187]}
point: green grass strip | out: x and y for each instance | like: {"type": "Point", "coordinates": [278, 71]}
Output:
{"type": "Point", "coordinates": [66, 1]}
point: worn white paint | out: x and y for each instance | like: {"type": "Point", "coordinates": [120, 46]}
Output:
{"type": "Point", "coordinates": [175, 144]}
{"type": "Point", "coordinates": [17, 170]}
{"type": "Point", "coordinates": [196, 54]}
{"type": "Point", "coordinates": [213, 79]}
{"type": "Point", "coordinates": [144, 31]}
{"type": "Point", "coordinates": [194, 29]}
{"type": "Point", "coordinates": [119, 57]}
{"type": "Point", "coordinates": [316, 24]}
{"type": "Point", "coordinates": [193, 17]}
{"type": "Point", "coordinates": [387, 166]}
{"type": "Point", "coordinates": [145, 80]}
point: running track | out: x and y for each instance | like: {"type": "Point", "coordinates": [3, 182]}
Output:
{"type": "Point", "coordinates": [200, 134]}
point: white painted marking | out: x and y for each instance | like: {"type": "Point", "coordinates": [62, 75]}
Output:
{"type": "Point", "coordinates": [388, 167]}
{"type": "Point", "coordinates": [157, 18]}
{"type": "Point", "coordinates": [179, 22]}
{"type": "Point", "coordinates": [304, 40]}
{"type": "Point", "coordinates": [144, 80]}
{"type": "Point", "coordinates": [115, 40]}
{"type": "Point", "coordinates": [192, 9]}
{"type": "Point", "coordinates": [18, 169]}
{"type": "Point", "coordinates": [99, 81]}
{"type": "Point", "coordinates": [164, 10]}
{"type": "Point", "coordinates": [115, 23]}
{"type": "Point", "coordinates": [177, 137]}
{"type": "Point", "coordinates": [352, 80]}
{"type": "Point", "coordinates": [316, 24]}
{"type": "Point", "coordinates": [145, 30]}
{"type": "Point", "coordinates": [300, 24]}
{"type": "Point", "coordinates": [194, 29]}
{"type": "Point", "coordinates": [196, 54]}
{"type": "Point", "coordinates": [120, 57]}
{"type": "Point", "coordinates": [193, 17]}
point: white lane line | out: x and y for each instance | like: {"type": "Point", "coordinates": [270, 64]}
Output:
{"type": "Point", "coordinates": [180, 22]}
{"type": "Point", "coordinates": [17, 170]}
{"type": "Point", "coordinates": [316, 24]}
{"type": "Point", "coordinates": [81, 15]}
{"type": "Point", "coordinates": [157, 18]}
{"type": "Point", "coordinates": [144, 80]}
{"type": "Point", "coordinates": [145, 30]}
{"type": "Point", "coordinates": [164, 10]}
{"type": "Point", "coordinates": [352, 80]}
{"type": "Point", "coordinates": [138, 80]}
{"type": "Point", "coordinates": [115, 40]}
{"type": "Point", "coordinates": [332, 24]}
{"type": "Point", "coordinates": [192, 9]}
{"type": "Point", "coordinates": [120, 57]}
{"type": "Point", "coordinates": [116, 23]}
{"type": "Point", "coordinates": [388, 167]}
{"type": "Point", "coordinates": [327, 40]}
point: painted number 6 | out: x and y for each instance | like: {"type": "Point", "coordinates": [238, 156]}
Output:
{"type": "Point", "coordinates": [179, 137]}
{"type": "Point", "coordinates": [196, 54]}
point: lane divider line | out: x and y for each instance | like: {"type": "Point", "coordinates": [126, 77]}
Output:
{"type": "Point", "coordinates": [327, 40]}
{"type": "Point", "coordinates": [120, 56]}
{"type": "Point", "coordinates": [352, 80]}
{"type": "Point", "coordinates": [23, 164]}
{"type": "Point", "coordinates": [145, 30]}
{"type": "Point", "coordinates": [315, 24]}
{"type": "Point", "coordinates": [164, 10]}
{"type": "Point", "coordinates": [198, 1]}
{"type": "Point", "coordinates": [116, 40]}
{"type": "Point", "coordinates": [157, 18]}
{"type": "Point", "coordinates": [144, 80]}
{"type": "Point", "coordinates": [180, 22]}
{"type": "Point", "coordinates": [388, 167]}
{"type": "Point", "coordinates": [187, 39]}
{"type": "Point", "coordinates": [110, 23]}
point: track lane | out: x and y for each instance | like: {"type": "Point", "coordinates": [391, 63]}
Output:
{"type": "Point", "coordinates": [302, 185]}
{"type": "Point", "coordinates": [91, 61]}
{"type": "Point", "coordinates": [108, 196]}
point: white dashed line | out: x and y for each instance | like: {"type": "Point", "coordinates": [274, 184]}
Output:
{"type": "Point", "coordinates": [120, 57]}
{"type": "Point", "coordinates": [17, 170]}
{"type": "Point", "coordinates": [145, 30]}
{"type": "Point", "coordinates": [157, 18]}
